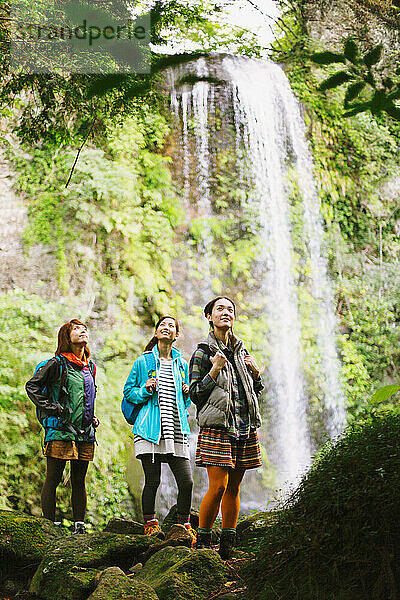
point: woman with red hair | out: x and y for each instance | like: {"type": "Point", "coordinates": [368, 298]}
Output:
{"type": "Point", "coordinates": [63, 390]}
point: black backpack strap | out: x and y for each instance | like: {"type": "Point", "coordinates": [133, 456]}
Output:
{"type": "Point", "coordinates": [64, 376]}
{"type": "Point", "coordinates": [63, 395]}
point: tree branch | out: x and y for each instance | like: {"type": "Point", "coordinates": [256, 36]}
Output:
{"type": "Point", "coordinates": [79, 151]}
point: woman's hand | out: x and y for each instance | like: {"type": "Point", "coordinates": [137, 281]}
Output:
{"type": "Point", "coordinates": [219, 361]}
{"type": "Point", "coordinates": [252, 366]}
{"type": "Point", "coordinates": [151, 384]}
{"type": "Point", "coordinates": [185, 388]}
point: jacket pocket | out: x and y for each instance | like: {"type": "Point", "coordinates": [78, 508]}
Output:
{"type": "Point", "coordinates": [143, 414]}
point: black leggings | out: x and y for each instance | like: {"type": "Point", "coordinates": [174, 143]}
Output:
{"type": "Point", "coordinates": [180, 467]}
{"type": "Point", "coordinates": [55, 470]}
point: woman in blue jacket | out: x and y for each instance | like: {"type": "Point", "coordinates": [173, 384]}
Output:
{"type": "Point", "coordinates": [158, 383]}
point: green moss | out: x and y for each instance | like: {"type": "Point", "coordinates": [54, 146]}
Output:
{"type": "Point", "coordinates": [183, 574]}
{"type": "Point", "coordinates": [254, 526]}
{"type": "Point", "coordinates": [23, 540]}
{"type": "Point", "coordinates": [115, 585]}
{"type": "Point", "coordinates": [95, 551]}
{"type": "Point", "coordinates": [337, 536]}
{"type": "Point", "coordinates": [77, 584]}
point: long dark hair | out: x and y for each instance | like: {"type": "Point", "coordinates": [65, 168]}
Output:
{"type": "Point", "coordinates": [64, 338]}
{"type": "Point", "coordinates": [154, 340]}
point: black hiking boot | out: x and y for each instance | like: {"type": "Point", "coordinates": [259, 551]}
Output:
{"type": "Point", "coordinates": [227, 542]}
{"type": "Point", "coordinates": [203, 539]}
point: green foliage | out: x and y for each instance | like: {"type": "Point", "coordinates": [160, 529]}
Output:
{"type": "Point", "coordinates": [27, 336]}
{"type": "Point", "coordinates": [383, 91]}
{"type": "Point", "coordinates": [356, 379]}
{"type": "Point", "coordinates": [385, 393]}
{"type": "Point", "coordinates": [337, 79]}
{"type": "Point", "coordinates": [28, 326]}
{"type": "Point", "coordinates": [355, 160]}
{"type": "Point", "coordinates": [336, 535]}
{"type": "Point", "coordinates": [121, 201]}
{"type": "Point", "coordinates": [351, 50]}
{"type": "Point", "coordinates": [328, 58]}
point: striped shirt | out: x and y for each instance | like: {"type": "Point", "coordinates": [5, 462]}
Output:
{"type": "Point", "coordinates": [172, 440]}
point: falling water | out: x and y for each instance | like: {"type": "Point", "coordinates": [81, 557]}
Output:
{"type": "Point", "coordinates": [201, 110]}
{"type": "Point", "coordinates": [321, 288]}
{"type": "Point", "coordinates": [256, 91]}
{"type": "Point", "coordinates": [195, 104]}
{"type": "Point", "coordinates": [270, 144]}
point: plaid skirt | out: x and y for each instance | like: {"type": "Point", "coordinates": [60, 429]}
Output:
{"type": "Point", "coordinates": [215, 448]}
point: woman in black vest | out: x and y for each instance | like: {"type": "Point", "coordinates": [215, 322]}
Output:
{"type": "Point", "coordinates": [224, 385]}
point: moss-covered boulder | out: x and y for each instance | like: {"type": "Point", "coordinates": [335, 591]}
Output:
{"type": "Point", "coordinates": [69, 566]}
{"type": "Point", "coordinates": [115, 585]}
{"type": "Point", "coordinates": [124, 526]}
{"type": "Point", "coordinates": [254, 526]}
{"type": "Point", "coordinates": [338, 534]}
{"type": "Point", "coordinates": [23, 541]}
{"type": "Point", "coordinates": [177, 536]}
{"type": "Point", "coordinates": [184, 574]}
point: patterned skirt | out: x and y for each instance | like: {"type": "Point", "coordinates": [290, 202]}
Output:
{"type": "Point", "coordinates": [215, 448]}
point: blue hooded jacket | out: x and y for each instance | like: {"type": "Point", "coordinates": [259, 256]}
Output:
{"type": "Point", "coordinates": [148, 421]}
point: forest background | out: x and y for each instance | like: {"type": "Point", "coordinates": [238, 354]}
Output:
{"type": "Point", "coordinates": [104, 248]}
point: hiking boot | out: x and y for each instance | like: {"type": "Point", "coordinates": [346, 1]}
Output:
{"type": "Point", "coordinates": [79, 528]}
{"type": "Point", "coordinates": [153, 528]}
{"type": "Point", "coordinates": [227, 542]}
{"type": "Point", "coordinates": [192, 532]}
{"type": "Point", "coordinates": [203, 539]}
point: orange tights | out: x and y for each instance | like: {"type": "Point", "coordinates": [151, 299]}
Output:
{"type": "Point", "coordinates": [223, 490]}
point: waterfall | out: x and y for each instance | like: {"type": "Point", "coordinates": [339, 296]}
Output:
{"type": "Point", "coordinates": [262, 119]}
{"type": "Point", "coordinates": [257, 114]}
{"type": "Point", "coordinates": [321, 288]}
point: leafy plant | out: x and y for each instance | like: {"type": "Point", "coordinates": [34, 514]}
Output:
{"type": "Point", "coordinates": [378, 93]}
{"type": "Point", "coordinates": [384, 393]}
{"type": "Point", "coordinates": [336, 534]}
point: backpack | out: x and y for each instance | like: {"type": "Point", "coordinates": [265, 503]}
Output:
{"type": "Point", "coordinates": [40, 414]}
{"type": "Point", "coordinates": [131, 411]}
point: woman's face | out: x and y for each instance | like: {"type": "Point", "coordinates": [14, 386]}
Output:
{"type": "Point", "coordinates": [222, 314]}
{"type": "Point", "coordinates": [166, 330]}
{"type": "Point", "coordinates": [79, 334]}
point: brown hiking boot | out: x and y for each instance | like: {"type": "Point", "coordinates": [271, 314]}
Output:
{"type": "Point", "coordinates": [153, 528]}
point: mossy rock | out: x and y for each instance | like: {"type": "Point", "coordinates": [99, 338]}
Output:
{"type": "Point", "coordinates": [159, 563]}
{"type": "Point", "coordinates": [171, 518]}
{"type": "Point", "coordinates": [124, 526]}
{"type": "Point", "coordinates": [115, 585]}
{"type": "Point", "coordinates": [184, 574]}
{"type": "Point", "coordinates": [82, 554]}
{"type": "Point", "coordinates": [255, 525]}
{"type": "Point", "coordinates": [79, 582]}
{"type": "Point", "coordinates": [23, 541]}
